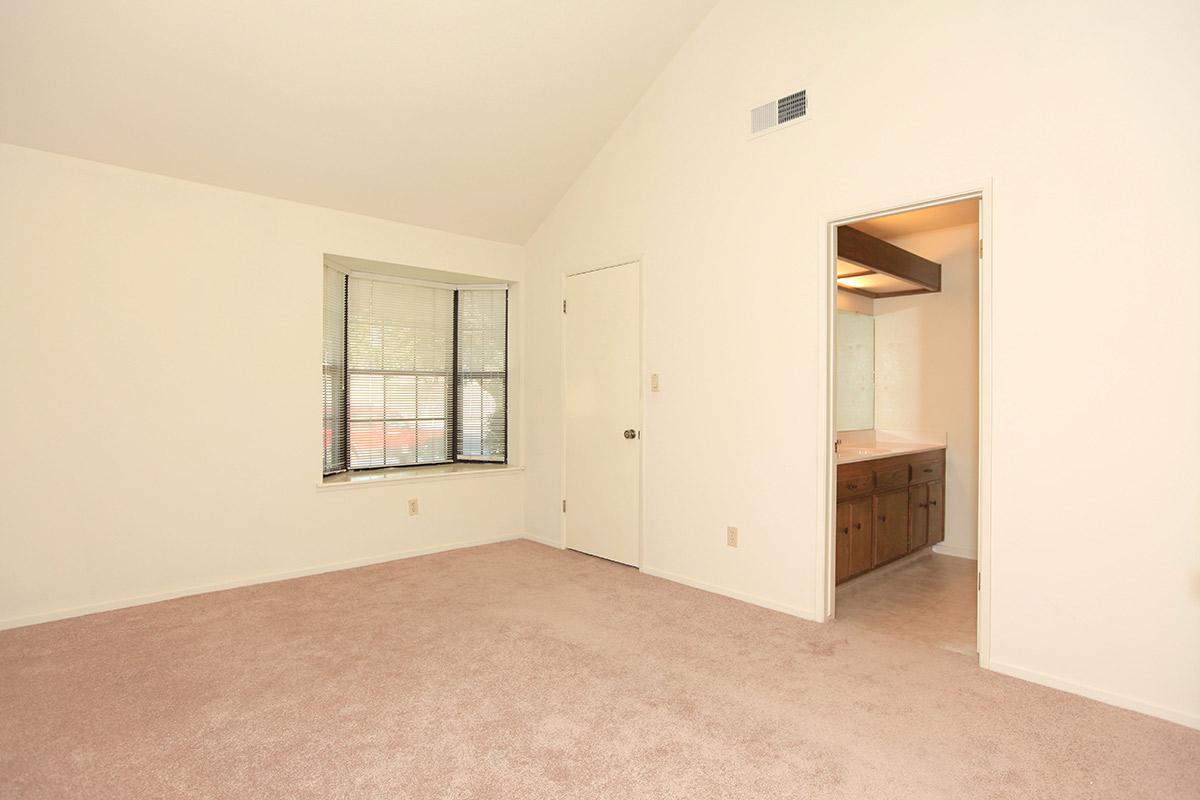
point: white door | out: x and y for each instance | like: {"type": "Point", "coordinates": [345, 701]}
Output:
{"type": "Point", "coordinates": [602, 330]}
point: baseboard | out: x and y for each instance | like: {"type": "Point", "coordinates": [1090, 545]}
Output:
{"type": "Point", "coordinates": [557, 545]}
{"type": "Point", "coordinates": [1111, 698]}
{"type": "Point", "coordinates": [794, 611]}
{"type": "Point", "coordinates": [943, 549]}
{"type": "Point", "coordinates": [237, 583]}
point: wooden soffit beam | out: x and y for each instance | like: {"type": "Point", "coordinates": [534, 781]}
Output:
{"type": "Point", "coordinates": [880, 256]}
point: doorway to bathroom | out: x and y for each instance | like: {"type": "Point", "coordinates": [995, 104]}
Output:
{"type": "Point", "coordinates": [907, 419]}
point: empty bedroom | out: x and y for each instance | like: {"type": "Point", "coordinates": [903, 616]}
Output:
{"type": "Point", "coordinates": [528, 399]}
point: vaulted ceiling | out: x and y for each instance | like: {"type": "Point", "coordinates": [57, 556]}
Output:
{"type": "Point", "coordinates": [470, 116]}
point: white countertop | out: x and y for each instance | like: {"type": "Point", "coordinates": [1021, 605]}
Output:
{"type": "Point", "coordinates": [851, 453]}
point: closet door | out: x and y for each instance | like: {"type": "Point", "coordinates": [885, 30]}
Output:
{"type": "Point", "coordinates": [602, 339]}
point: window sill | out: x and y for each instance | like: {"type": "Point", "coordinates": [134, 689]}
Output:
{"type": "Point", "coordinates": [438, 472]}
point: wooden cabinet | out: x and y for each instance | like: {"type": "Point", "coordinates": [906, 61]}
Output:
{"type": "Point", "coordinates": [886, 509]}
{"type": "Point", "coordinates": [855, 485]}
{"type": "Point", "coordinates": [854, 539]}
{"type": "Point", "coordinates": [891, 526]}
{"type": "Point", "coordinates": [937, 511]}
{"type": "Point", "coordinates": [918, 516]}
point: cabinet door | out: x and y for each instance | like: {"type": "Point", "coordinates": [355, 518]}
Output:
{"type": "Point", "coordinates": [937, 511]}
{"type": "Point", "coordinates": [842, 538]}
{"type": "Point", "coordinates": [891, 526]}
{"type": "Point", "coordinates": [861, 542]}
{"type": "Point", "coordinates": [918, 516]}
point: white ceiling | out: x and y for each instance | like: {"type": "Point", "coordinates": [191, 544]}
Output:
{"type": "Point", "coordinates": [932, 218]}
{"type": "Point", "coordinates": [470, 116]}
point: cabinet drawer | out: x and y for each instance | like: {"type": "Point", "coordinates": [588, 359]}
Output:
{"type": "Point", "coordinates": [855, 486]}
{"type": "Point", "coordinates": [928, 471]}
{"type": "Point", "coordinates": [892, 477]}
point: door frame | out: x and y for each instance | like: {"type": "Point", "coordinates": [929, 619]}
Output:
{"type": "Point", "coordinates": [827, 463]}
{"type": "Point", "coordinates": [641, 411]}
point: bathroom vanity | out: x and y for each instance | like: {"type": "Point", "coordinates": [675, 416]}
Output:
{"type": "Point", "coordinates": [890, 502]}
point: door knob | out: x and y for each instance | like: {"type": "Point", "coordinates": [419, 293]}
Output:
{"type": "Point", "coordinates": [631, 434]}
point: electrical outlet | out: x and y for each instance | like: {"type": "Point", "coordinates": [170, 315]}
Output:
{"type": "Point", "coordinates": [731, 537]}
{"type": "Point", "coordinates": [413, 507]}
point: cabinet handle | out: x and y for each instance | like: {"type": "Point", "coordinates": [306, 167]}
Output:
{"type": "Point", "coordinates": [929, 469]}
{"type": "Point", "coordinates": [882, 518]}
{"type": "Point", "coordinates": [858, 526]}
{"type": "Point", "coordinates": [851, 486]}
{"type": "Point", "coordinates": [933, 502]}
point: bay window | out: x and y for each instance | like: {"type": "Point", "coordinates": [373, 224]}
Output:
{"type": "Point", "coordinates": [424, 372]}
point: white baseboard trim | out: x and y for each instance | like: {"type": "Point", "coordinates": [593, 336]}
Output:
{"type": "Point", "coordinates": [557, 545]}
{"type": "Point", "coordinates": [1111, 698]}
{"type": "Point", "coordinates": [941, 548]}
{"type": "Point", "coordinates": [794, 611]}
{"type": "Point", "coordinates": [127, 602]}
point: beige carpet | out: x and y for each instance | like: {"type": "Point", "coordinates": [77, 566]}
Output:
{"type": "Point", "coordinates": [518, 671]}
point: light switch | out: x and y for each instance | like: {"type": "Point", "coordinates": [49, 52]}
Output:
{"type": "Point", "coordinates": [654, 382]}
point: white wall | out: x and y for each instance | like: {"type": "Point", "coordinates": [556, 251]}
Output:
{"type": "Point", "coordinates": [927, 369]}
{"type": "Point", "coordinates": [1083, 118]}
{"type": "Point", "coordinates": [160, 414]}
{"type": "Point", "coordinates": [848, 301]}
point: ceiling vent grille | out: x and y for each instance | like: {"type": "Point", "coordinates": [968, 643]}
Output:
{"type": "Point", "coordinates": [770, 116]}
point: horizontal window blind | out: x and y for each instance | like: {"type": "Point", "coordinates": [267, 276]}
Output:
{"type": "Point", "coordinates": [481, 429]}
{"type": "Point", "coordinates": [400, 345]}
{"type": "Point", "coordinates": [333, 372]}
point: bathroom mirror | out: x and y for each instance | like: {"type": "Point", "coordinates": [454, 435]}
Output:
{"type": "Point", "coordinates": [855, 371]}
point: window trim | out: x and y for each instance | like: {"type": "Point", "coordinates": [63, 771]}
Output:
{"type": "Point", "coordinates": [360, 479]}
{"type": "Point", "coordinates": [345, 376]}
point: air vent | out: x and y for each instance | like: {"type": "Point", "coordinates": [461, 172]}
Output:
{"type": "Point", "coordinates": [767, 117]}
